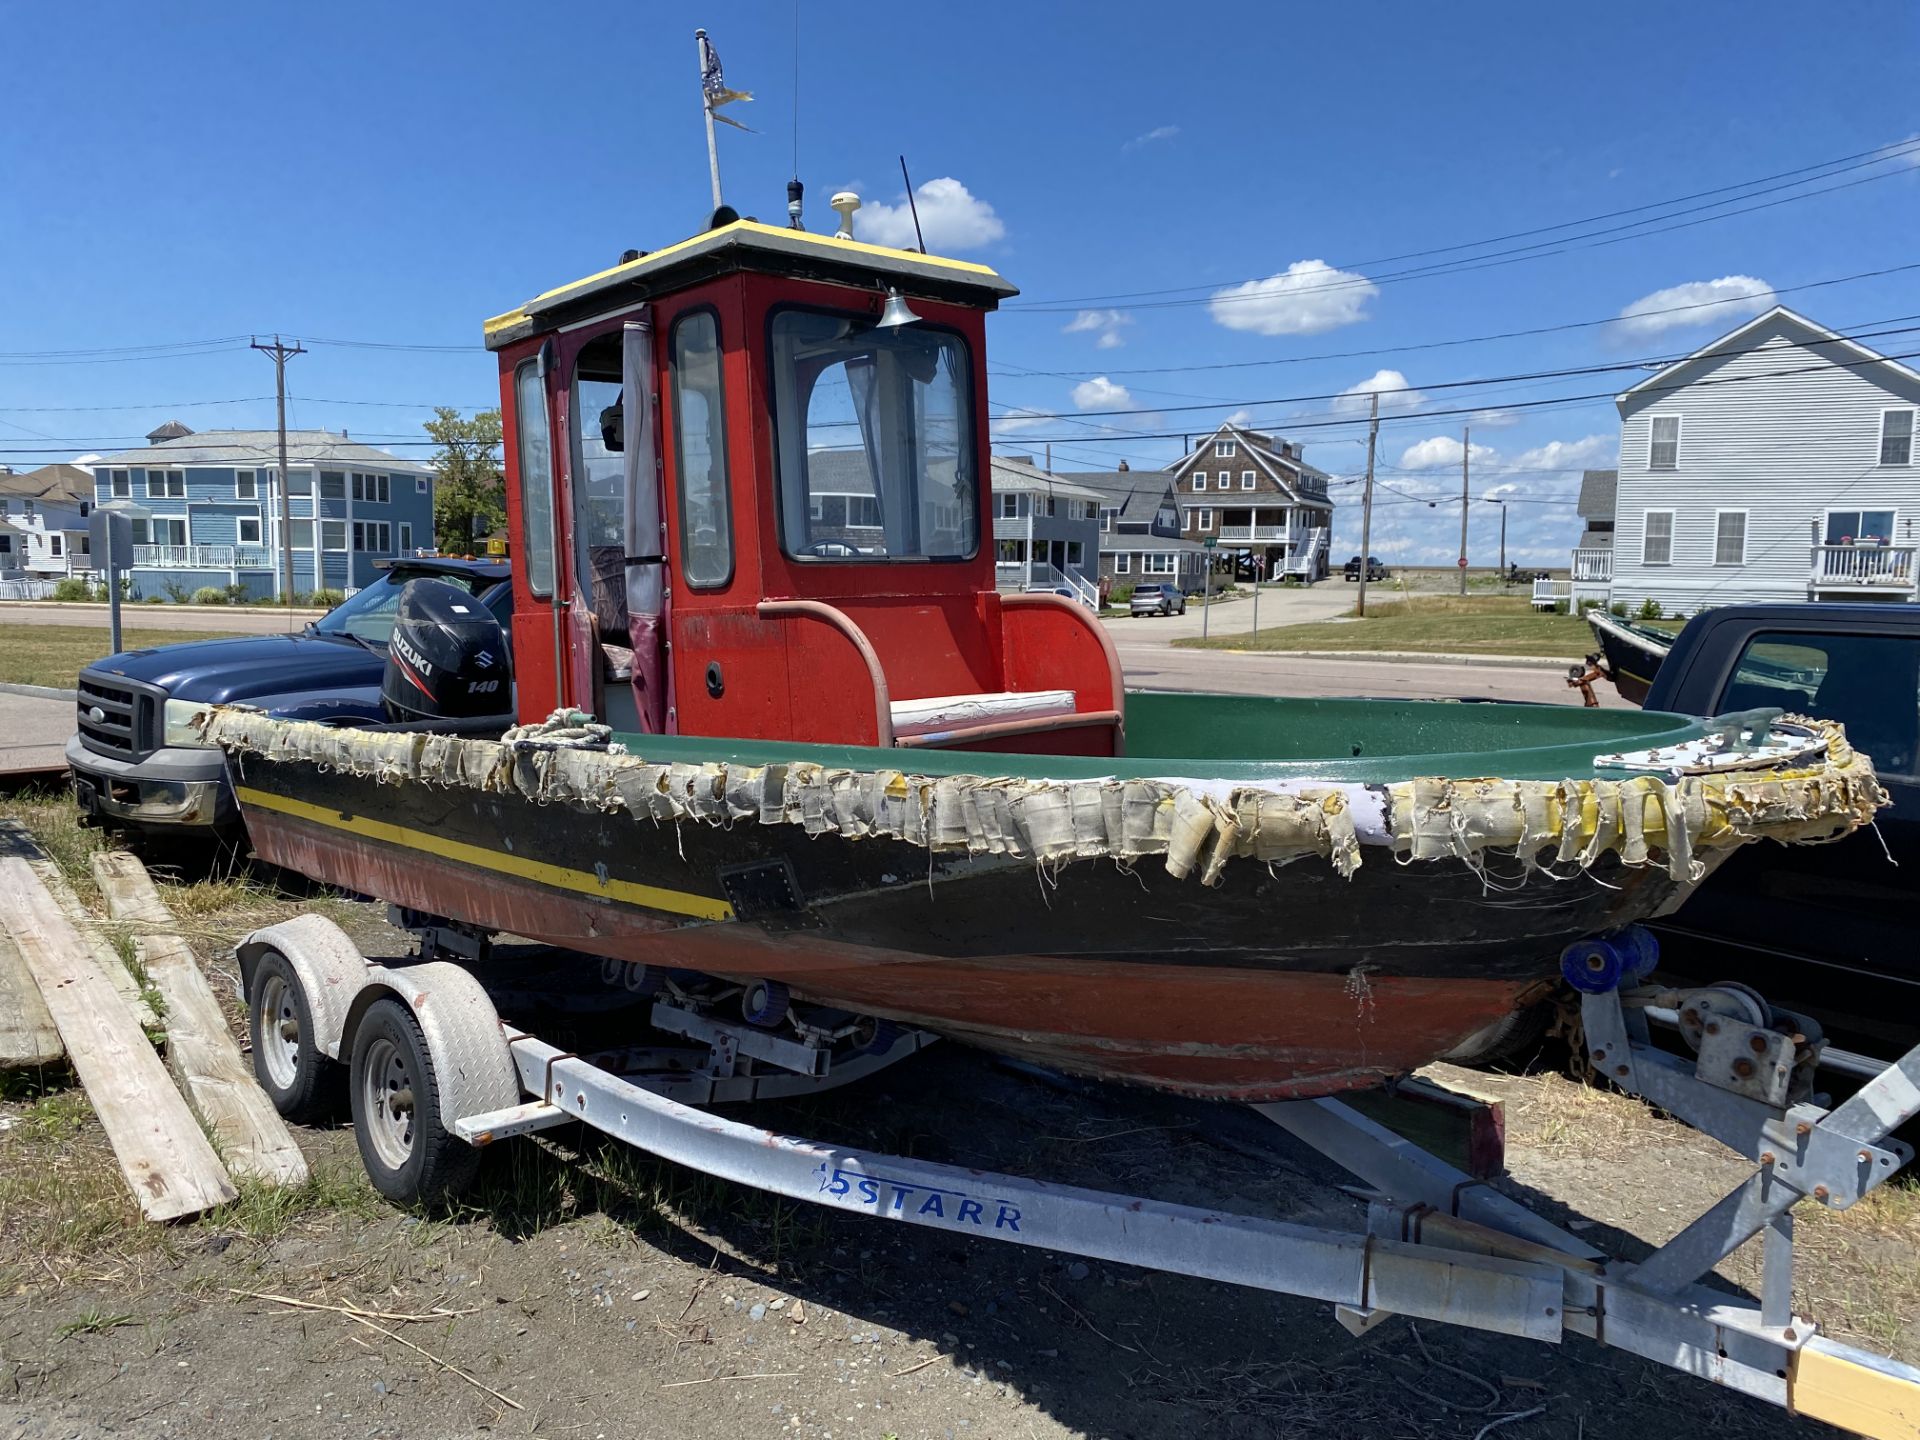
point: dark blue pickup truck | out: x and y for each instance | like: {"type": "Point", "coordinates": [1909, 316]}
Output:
{"type": "Point", "coordinates": [138, 763]}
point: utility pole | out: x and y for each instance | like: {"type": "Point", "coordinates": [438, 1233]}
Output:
{"type": "Point", "coordinates": [1466, 450]}
{"type": "Point", "coordinates": [1366, 507]}
{"type": "Point", "coordinates": [281, 354]}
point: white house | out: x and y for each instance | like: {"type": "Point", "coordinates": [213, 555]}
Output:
{"type": "Point", "coordinates": [1776, 463]}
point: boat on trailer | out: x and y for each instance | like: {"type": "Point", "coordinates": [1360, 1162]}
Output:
{"type": "Point", "coordinates": [1630, 655]}
{"type": "Point", "coordinates": [784, 744]}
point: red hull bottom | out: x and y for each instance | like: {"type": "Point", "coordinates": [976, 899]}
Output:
{"type": "Point", "coordinates": [1196, 1029]}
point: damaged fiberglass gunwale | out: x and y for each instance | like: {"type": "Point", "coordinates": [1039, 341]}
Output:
{"type": "Point", "coordinates": [1395, 787]}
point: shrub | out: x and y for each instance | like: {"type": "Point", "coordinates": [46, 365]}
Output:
{"type": "Point", "coordinates": [209, 595]}
{"type": "Point", "coordinates": [176, 592]}
{"type": "Point", "coordinates": [322, 599]}
{"type": "Point", "coordinates": [72, 589]}
{"type": "Point", "coordinates": [1120, 595]}
{"type": "Point", "coordinates": [1618, 609]}
{"type": "Point", "coordinates": [153, 599]}
{"type": "Point", "coordinates": [1649, 609]}
{"type": "Point", "coordinates": [237, 594]}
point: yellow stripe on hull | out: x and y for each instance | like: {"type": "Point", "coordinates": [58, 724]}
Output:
{"type": "Point", "coordinates": [580, 882]}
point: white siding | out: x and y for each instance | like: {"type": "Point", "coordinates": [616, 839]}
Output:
{"type": "Point", "coordinates": [1785, 448]}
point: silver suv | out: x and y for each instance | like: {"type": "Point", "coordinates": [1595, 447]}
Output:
{"type": "Point", "coordinates": [1157, 600]}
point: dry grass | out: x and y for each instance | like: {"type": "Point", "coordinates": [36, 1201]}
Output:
{"type": "Point", "coordinates": [56, 654]}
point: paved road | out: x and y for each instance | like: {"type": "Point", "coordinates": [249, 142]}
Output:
{"type": "Point", "coordinates": [158, 617]}
{"type": "Point", "coordinates": [32, 731]}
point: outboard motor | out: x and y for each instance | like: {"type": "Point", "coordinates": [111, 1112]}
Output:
{"type": "Point", "coordinates": [447, 658]}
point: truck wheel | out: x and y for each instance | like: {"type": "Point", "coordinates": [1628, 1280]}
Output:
{"type": "Point", "coordinates": [410, 1155]}
{"type": "Point", "coordinates": [1512, 1040]}
{"type": "Point", "coordinates": [303, 1083]}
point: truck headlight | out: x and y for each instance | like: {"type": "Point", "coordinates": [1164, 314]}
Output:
{"type": "Point", "coordinates": [177, 727]}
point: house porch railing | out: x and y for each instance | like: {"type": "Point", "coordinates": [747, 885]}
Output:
{"type": "Point", "coordinates": [1863, 567]}
{"type": "Point", "coordinates": [1592, 566]}
{"type": "Point", "coordinates": [201, 557]}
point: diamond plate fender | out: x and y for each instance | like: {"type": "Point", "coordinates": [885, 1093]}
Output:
{"type": "Point", "coordinates": [471, 1062]}
{"type": "Point", "coordinates": [329, 966]}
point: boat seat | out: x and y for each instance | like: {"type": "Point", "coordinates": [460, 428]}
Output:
{"type": "Point", "coordinates": [964, 712]}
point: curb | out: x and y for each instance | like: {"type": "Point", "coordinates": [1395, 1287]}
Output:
{"type": "Point", "coordinates": [1415, 657]}
{"type": "Point", "coordinates": [38, 692]}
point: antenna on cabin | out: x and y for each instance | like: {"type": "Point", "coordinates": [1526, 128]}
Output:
{"type": "Point", "coordinates": [796, 192]}
{"type": "Point", "coordinates": [844, 203]}
{"type": "Point", "coordinates": [912, 207]}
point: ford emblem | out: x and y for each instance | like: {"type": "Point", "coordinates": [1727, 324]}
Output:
{"type": "Point", "coordinates": [96, 714]}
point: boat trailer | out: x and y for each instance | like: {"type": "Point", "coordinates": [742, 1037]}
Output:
{"type": "Point", "coordinates": [1438, 1244]}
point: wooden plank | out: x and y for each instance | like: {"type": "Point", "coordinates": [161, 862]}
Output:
{"type": "Point", "coordinates": [28, 1036]}
{"type": "Point", "coordinates": [218, 1081]}
{"type": "Point", "coordinates": [167, 1161]}
{"type": "Point", "coordinates": [1466, 1130]}
{"type": "Point", "coordinates": [17, 840]}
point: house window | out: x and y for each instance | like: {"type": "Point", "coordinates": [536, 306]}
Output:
{"type": "Point", "coordinates": [1049, 507]}
{"type": "Point", "coordinates": [162, 531]}
{"type": "Point", "coordinates": [6, 544]}
{"type": "Point", "coordinates": [1730, 537]}
{"type": "Point", "coordinates": [245, 487]}
{"type": "Point", "coordinates": [122, 484]}
{"type": "Point", "coordinates": [333, 485]}
{"type": "Point", "coordinates": [54, 547]}
{"type": "Point", "coordinates": [303, 534]}
{"type": "Point", "coordinates": [1246, 479]}
{"type": "Point", "coordinates": [86, 545]}
{"type": "Point", "coordinates": [1226, 479]}
{"type": "Point", "coordinates": [1161, 564]}
{"type": "Point", "coordinates": [419, 484]}
{"type": "Point", "coordinates": [373, 536]}
{"type": "Point", "coordinates": [333, 534]}
{"type": "Point", "coordinates": [1224, 449]}
{"type": "Point", "coordinates": [1206, 518]}
{"type": "Point", "coordinates": [371, 489]}
{"type": "Point", "coordinates": [299, 482]}
{"type": "Point", "coordinates": [1896, 437]}
{"type": "Point", "coordinates": [248, 530]}
{"type": "Point", "coordinates": [1199, 481]}
{"type": "Point", "coordinates": [166, 484]}
{"type": "Point", "coordinates": [406, 538]}
{"type": "Point", "coordinates": [1074, 552]}
{"type": "Point", "coordinates": [1122, 563]}
{"type": "Point", "coordinates": [1663, 443]}
{"type": "Point", "coordinates": [1106, 520]}
{"type": "Point", "coordinates": [1859, 527]}
{"type": "Point", "coordinates": [1656, 540]}
{"type": "Point", "coordinates": [1186, 519]}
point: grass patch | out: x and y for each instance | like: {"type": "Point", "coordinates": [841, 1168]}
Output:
{"type": "Point", "coordinates": [56, 654]}
{"type": "Point", "coordinates": [1429, 625]}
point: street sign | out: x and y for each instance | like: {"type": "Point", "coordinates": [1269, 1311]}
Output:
{"type": "Point", "coordinates": [1463, 562]}
{"type": "Point", "coordinates": [1213, 540]}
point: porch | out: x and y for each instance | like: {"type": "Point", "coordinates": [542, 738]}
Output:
{"type": "Point", "coordinates": [1863, 570]}
{"type": "Point", "coordinates": [202, 557]}
{"type": "Point", "coordinates": [1281, 542]}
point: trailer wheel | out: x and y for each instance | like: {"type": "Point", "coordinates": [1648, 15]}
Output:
{"type": "Point", "coordinates": [410, 1155]}
{"type": "Point", "coordinates": [302, 1081]}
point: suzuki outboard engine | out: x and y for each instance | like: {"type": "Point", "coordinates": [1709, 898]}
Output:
{"type": "Point", "coordinates": [447, 657]}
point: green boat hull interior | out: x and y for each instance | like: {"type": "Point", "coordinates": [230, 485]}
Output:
{"type": "Point", "coordinates": [1262, 899]}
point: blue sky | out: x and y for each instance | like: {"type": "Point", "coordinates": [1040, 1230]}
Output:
{"type": "Point", "coordinates": [394, 174]}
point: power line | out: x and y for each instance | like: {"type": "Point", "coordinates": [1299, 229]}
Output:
{"type": "Point", "coordinates": [1130, 300]}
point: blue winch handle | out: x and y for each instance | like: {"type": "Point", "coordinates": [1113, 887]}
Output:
{"type": "Point", "coordinates": [1606, 962]}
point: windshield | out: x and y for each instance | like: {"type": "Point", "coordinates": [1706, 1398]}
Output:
{"type": "Point", "coordinates": [875, 440]}
{"type": "Point", "coordinates": [368, 614]}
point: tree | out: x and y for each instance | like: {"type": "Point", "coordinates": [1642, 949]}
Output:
{"type": "Point", "coordinates": [470, 494]}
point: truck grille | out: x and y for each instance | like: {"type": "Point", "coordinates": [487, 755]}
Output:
{"type": "Point", "coordinates": [116, 718]}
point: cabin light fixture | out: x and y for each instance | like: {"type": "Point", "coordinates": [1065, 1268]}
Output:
{"type": "Point", "coordinates": [896, 313]}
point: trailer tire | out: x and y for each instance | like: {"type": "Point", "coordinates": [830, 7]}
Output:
{"type": "Point", "coordinates": [410, 1155]}
{"type": "Point", "coordinates": [303, 1082]}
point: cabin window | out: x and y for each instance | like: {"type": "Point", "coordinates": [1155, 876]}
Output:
{"type": "Point", "coordinates": [700, 451]}
{"type": "Point", "coordinates": [536, 477]}
{"type": "Point", "coordinates": [878, 425]}
{"type": "Point", "coordinates": [1656, 540]}
{"type": "Point", "coordinates": [1663, 443]}
{"type": "Point", "coordinates": [600, 481]}
{"type": "Point", "coordinates": [1730, 537]}
{"type": "Point", "coordinates": [1896, 437]}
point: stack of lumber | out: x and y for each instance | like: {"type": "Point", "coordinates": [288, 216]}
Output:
{"type": "Point", "coordinates": [65, 993]}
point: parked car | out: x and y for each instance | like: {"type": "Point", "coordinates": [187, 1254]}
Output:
{"type": "Point", "coordinates": [1157, 600]}
{"type": "Point", "coordinates": [136, 760]}
{"type": "Point", "coordinates": [1376, 569]}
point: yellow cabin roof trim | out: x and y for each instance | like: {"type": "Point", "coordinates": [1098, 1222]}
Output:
{"type": "Point", "coordinates": [754, 235]}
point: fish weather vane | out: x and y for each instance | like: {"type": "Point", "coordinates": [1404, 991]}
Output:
{"type": "Point", "coordinates": [713, 94]}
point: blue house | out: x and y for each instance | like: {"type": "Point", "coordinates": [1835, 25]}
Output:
{"type": "Point", "coordinates": [216, 509]}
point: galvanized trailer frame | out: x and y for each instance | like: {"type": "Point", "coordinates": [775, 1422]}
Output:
{"type": "Point", "coordinates": [1438, 1244]}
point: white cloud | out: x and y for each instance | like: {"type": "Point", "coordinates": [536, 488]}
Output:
{"type": "Point", "coordinates": [1594, 452]}
{"type": "Point", "coordinates": [951, 216]}
{"type": "Point", "coordinates": [1390, 385]}
{"type": "Point", "coordinates": [1907, 154]}
{"type": "Point", "coordinates": [1309, 296]}
{"type": "Point", "coordinates": [1016, 420]}
{"type": "Point", "coordinates": [1493, 419]}
{"type": "Point", "coordinates": [1441, 452]}
{"type": "Point", "coordinates": [1105, 323]}
{"type": "Point", "coordinates": [1698, 302]}
{"type": "Point", "coordinates": [1100, 393]}
{"type": "Point", "coordinates": [1239, 417]}
{"type": "Point", "coordinates": [1158, 133]}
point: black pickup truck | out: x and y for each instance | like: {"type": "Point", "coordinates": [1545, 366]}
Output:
{"type": "Point", "coordinates": [1827, 930]}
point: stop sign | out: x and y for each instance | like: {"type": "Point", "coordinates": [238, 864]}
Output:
{"type": "Point", "coordinates": [1463, 562]}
